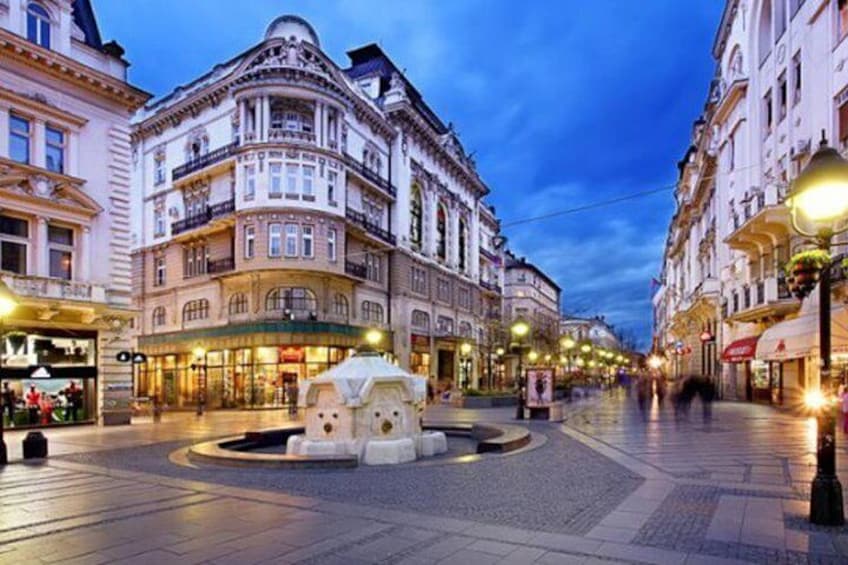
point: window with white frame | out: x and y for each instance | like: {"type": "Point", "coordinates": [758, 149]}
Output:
{"type": "Point", "coordinates": [462, 240]}
{"type": "Point", "coordinates": [374, 267]}
{"type": "Point", "coordinates": [196, 204]}
{"type": "Point", "coordinates": [38, 24]}
{"type": "Point", "coordinates": [441, 233]}
{"type": "Point", "coordinates": [332, 179]}
{"type": "Point", "coordinates": [196, 310]}
{"type": "Point", "coordinates": [463, 297]}
{"type": "Point", "coordinates": [158, 317]}
{"type": "Point", "coordinates": [341, 307]}
{"type": "Point", "coordinates": [418, 280]}
{"type": "Point", "coordinates": [54, 149]}
{"type": "Point", "coordinates": [14, 240]}
{"type": "Point", "coordinates": [20, 138]}
{"type": "Point", "coordinates": [372, 311]}
{"type": "Point", "coordinates": [158, 222]}
{"type": "Point", "coordinates": [159, 270]}
{"type": "Point", "coordinates": [373, 211]}
{"type": "Point", "coordinates": [768, 114]}
{"type": "Point", "coordinates": [291, 179]}
{"type": "Point", "coordinates": [331, 244]}
{"type": "Point", "coordinates": [421, 321]}
{"type": "Point", "coordinates": [249, 242]}
{"type": "Point", "coordinates": [275, 181]}
{"type": "Point", "coordinates": [444, 325]}
{"type": "Point", "coordinates": [275, 239]}
{"type": "Point", "coordinates": [249, 182]}
{"type": "Point", "coordinates": [238, 303]}
{"type": "Point", "coordinates": [782, 96]}
{"type": "Point", "coordinates": [291, 240]}
{"type": "Point", "coordinates": [306, 235]}
{"type": "Point", "coordinates": [60, 241]}
{"type": "Point", "coordinates": [443, 292]}
{"type": "Point", "coordinates": [796, 78]}
{"type": "Point", "coordinates": [308, 177]}
{"type": "Point", "coordinates": [159, 168]}
{"type": "Point", "coordinates": [195, 260]}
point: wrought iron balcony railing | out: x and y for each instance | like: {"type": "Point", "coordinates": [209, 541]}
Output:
{"type": "Point", "coordinates": [356, 269]}
{"type": "Point", "coordinates": [197, 220]}
{"type": "Point", "coordinates": [370, 175]}
{"type": "Point", "coordinates": [218, 266]}
{"type": "Point", "coordinates": [362, 221]}
{"type": "Point", "coordinates": [204, 161]}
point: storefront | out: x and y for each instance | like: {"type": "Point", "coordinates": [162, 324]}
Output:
{"type": "Point", "coordinates": [419, 357]}
{"type": "Point", "coordinates": [742, 372]}
{"type": "Point", "coordinates": [49, 377]}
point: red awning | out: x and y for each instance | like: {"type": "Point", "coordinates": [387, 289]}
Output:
{"type": "Point", "coordinates": [740, 350]}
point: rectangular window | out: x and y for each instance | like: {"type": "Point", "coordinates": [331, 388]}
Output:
{"type": "Point", "coordinates": [374, 268]}
{"type": "Point", "coordinates": [195, 260]}
{"type": "Point", "coordinates": [249, 182]}
{"type": "Point", "coordinates": [274, 239]}
{"type": "Point", "coordinates": [782, 96]}
{"type": "Point", "coordinates": [843, 18]}
{"type": "Point", "coordinates": [13, 244]}
{"type": "Point", "coordinates": [418, 280]}
{"type": "Point", "coordinates": [464, 298]}
{"type": "Point", "coordinates": [796, 78]}
{"type": "Point", "coordinates": [291, 179]}
{"type": "Point", "coordinates": [54, 149]}
{"type": "Point", "coordinates": [731, 151]}
{"type": "Point", "coordinates": [159, 170]}
{"type": "Point", "coordinates": [306, 236]}
{"type": "Point", "coordinates": [60, 263]}
{"type": "Point", "coordinates": [158, 223]}
{"type": "Point", "coordinates": [19, 138]}
{"type": "Point", "coordinates": [250, 242]}
{"type": "Point", "coordinates": [291, 240]}
{"type": "Point", "coordinates": [159, 271]}
{"type": "Point", "coordinates": [443, 290]}
{"type": "Point", "coordinates": [275, 183]}
{"type": "Point", "coordinates": [331, 244]}
{"type": "Point", "coordinates": [768, 114]}
{"type": "Point", "coordinates": [308, 176]}
{"type": "Point", "coordinates": [332, 179]}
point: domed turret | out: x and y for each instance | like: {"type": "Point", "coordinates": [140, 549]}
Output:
{"type": "Point", "coordinates": [289, 26]}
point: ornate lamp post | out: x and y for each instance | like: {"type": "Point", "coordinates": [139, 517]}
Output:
{"type": "Point", "coordinates": [567, 344]}
{"type": "Point", "coordinates": [7, 306]}
{"type": "Point", "coordinates": [465, 363]}
{"type": "Point", "coordinates": [818, 205]}
{"type": "Point", "coordinates": [519, 331]}
{"type": "Point", "coordinates": [199, 366]}
{"type": "Point", "coordinates": [499, 352]}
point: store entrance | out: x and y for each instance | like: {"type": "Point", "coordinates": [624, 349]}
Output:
{"type": "Point", "coordinates": [446, 369]}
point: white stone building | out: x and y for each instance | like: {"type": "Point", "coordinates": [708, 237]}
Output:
{"type": "Point", "coordinates": [65, 105]}
{"type": "Point", "coordinates": [780, 81]}
{"type": "Point", "coordinates": [286, 204]}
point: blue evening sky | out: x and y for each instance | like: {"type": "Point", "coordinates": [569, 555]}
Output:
{"type": "Point", "coordinates": [563, 103]}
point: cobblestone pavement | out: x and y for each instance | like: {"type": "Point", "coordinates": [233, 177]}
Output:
{"type": "Point", "coordinates": [605, 486]}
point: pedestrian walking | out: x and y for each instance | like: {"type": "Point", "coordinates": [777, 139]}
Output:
{"type": "Point", "coordinates": [8, 403]}
{"type": "Point", "coordinates": [32, 399]}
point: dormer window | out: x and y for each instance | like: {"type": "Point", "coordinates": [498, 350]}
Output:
{"type": "Point", "coordinates": [38, 25]}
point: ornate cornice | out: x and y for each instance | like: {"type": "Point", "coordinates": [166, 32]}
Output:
{"type": "Point", "coordinates": [18, 49]}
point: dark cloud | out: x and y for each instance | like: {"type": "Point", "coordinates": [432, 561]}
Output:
{"type": "Point", "coordinates": [563, 103]}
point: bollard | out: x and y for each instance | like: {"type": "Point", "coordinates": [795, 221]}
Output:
{"type": "Point", "coordinates": [35, 446]}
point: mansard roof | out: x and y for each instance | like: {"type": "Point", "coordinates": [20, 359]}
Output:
{"type": "Point", "coordinates": [513, 262]}
{"type": "Point", "coordinates": [85, 19]}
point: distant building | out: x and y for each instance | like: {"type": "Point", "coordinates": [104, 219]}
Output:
{"type": "Point", "coordinates": [65, 106]}
{"type": "Point", "coordinates": [533, 296]}
{"type": "Point", "coordinates": [592, 330]}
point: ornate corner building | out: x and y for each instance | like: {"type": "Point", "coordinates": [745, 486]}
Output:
{"type": "Point", "coordinates": [722, 308]}
{"type": "Point", "coordinates": [286, 204]}
{"type": "Point", "coordinates": [65, 107]}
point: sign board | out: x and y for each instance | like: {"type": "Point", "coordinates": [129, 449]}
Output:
{"type": "Point", "coordinates": [40, 373]}
{"type": "Point", "coordinates": [540, 387]}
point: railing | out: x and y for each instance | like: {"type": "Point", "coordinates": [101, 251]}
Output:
{"type": "Point", "coordinates": [488, 254]}
{"type": "Point", "coordinates": [197, 220]}
{"type": "Point", "coordinates": [288, 135]}
{"type": "Point", "coordinates": [772, 195]}
{"type": "Point", "coordinates": [217, 266]}
{"type": "Point", "coordinates": [362, 220]}
{"type": "Point", "coordinates": [356, 269]}
{"type": "Point", "coordinates": [204, 161]}
{"type": "Point", "coordinates": [44, 287]}
{"type": "Point", "coordinates": [369, 175]}
{"type": "Point", "coordinates": [490, 286]}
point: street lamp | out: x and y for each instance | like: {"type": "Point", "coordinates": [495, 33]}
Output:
{"type": "Point", "coordinates": [818, 205]}
{"type": "Point", "coordinates": [567, 344]}
{"type": "Point", "coordinates": [199, 366]}
{"type": "Point", "coordinates": [7, 306]}
{"type": "Point", "coordinates": [500, 351]}
{"type": "Point", "coordinates": [465, 362]}
{"type": "Point", "coordinates": [533, 357]}
{"type": "Point", "coordinates": [373, 337]}
{"type": "Point", "coordinates": [519, 331]}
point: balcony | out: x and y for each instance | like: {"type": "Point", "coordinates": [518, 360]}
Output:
{"type": "Point", "coordinates": [282, 135]}
{"type": "Point", "coordinates": [488, 254]}
{"type": "Point", "coordinates": [356, 269]}
{"type": "Point", "coordinates": [765, 298]}
{"type": "Point", "coordinates": [491, 287]}
{"type": "Point", "coordinates": [218, 266]}
{"type": "Point", "coordinates": [203, 161]}
{"type": "Point", "coordinates": [54, 289]}
{"type": "Point", "coordinates": [758, 221]}
{"type": "Point", "coordinates": [361, 220]}
{"type": "Point", "coordinates": [370, 176]}
{"type": "Point", "coordinates": [198, 220]}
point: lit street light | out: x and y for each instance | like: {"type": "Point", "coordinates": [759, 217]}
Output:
{"type": "Point", "coordinates": [199, 366]}
{"type": "Point", "coordinates": [818, 205]}
{"type": "Point", "coordinates": [465, 363]}
{"type": "Point", "coordinates": [519, 331]}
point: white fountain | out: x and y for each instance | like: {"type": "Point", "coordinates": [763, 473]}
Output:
{"type": "Point", "coordinates": [366, 407]}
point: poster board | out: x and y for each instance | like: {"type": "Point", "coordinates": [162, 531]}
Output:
{"type": "Point", "coordinates": [540, 387]}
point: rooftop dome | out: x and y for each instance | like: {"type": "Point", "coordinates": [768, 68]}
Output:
{"type": "Point", "coordinates": [289, 26]}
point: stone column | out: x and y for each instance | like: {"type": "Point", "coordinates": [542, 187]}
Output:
{"type": "Point", "coordinates": [37, 155]}
{"type": "Point", "coordinates": [72, 154]}
{"type": "Point", "coordinates": [41, 253]}
{"type": "Point", "coordinates": [84, 262]}
{"type": "Point", "coordinates": [242, 119]}
{"type": "Point", "coordinates": [318, 123]}
{"type": "Point", "coordinates": [266, 118]}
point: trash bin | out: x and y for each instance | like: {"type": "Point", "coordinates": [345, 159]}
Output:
{"type": "Point", "coordinates": [35, 446]}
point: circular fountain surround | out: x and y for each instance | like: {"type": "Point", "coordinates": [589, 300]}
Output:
{"type": "Point", "coordinates": [368, 408]}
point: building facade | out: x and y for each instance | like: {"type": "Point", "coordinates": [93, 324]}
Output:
{"type": "Point", "coordinates": [723, 308]}
{"type": "Point", "coordinates": [595, 331]}
{"type": "Point", "coordinates": [65, 106]}
{"type": "Point", "coordinates": [286, 205]}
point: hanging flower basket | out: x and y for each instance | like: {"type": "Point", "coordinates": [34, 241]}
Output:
{"type": "Point", "coordinates": [803, 271]}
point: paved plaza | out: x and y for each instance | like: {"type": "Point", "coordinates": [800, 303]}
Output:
{"type": "Point", "coordinates": [607, 486]}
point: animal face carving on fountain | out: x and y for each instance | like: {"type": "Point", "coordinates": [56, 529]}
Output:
{"type": "Point", "coordinates": [386, 413]}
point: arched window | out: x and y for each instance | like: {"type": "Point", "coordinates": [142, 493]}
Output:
{"type": "Point", "coordinates": [734, 66]}
{"type": "Point", "coordinates": [38, 25]}
{"type": "Point", "coordinates": [465, 329]}
{"type": "Point", "coordinates": [462, 239]}
{"type": "Point", "coordinates": [296, 302]}
{"type": "Point", "coordinates": [765, 31]}
{"type": "Point", "coordinates": [158, 316]}
{"type": "Point", "coordinates": [196, 310]}
{"type": "Point", "coordinates": [416, 216]}
{"type": "Point", "coordinates": [442, 232]}
{"type": "Point", "coordinates": [372, 311]}
{"type": "Point", "coordinates": [341, 308]}
{"type": "Point", "coordinates": [421, 321]}
{"type": "Point", "coordinates": [238, 303]}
